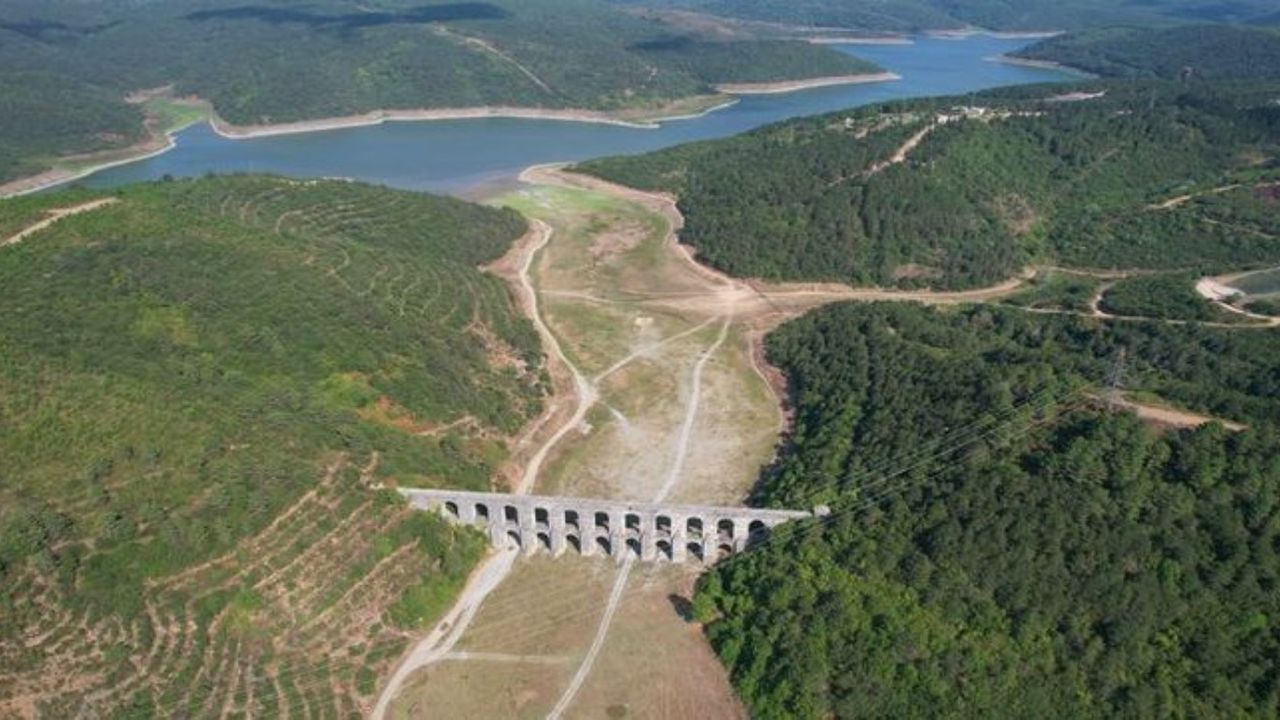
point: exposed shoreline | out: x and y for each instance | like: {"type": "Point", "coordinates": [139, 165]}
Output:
{"type": "Point", "coordinates": [379, 117]}
{"type": "Point", "coordinates": [861, 40]}
{"type": "Point", "coordinates": [999, 34]}
{"type": "Point", "coordinates": [54, 177]}
{"type": "Point", "coordinates": [155, 146]}
{"type": "Point", "coordinates": [1041, 65]}
{"type": "Point", "coordinates": [785, 86]}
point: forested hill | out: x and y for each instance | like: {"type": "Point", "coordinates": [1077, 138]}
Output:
{"type": "Point", "coordinates": [1205, 52]}
{"type": "Point", "coordinates": [68, 65]}
{"type": "Point", "coordinates": [1000, 545]}
{"type": "Point", "coordinates": [202, 383]}
{"type": "Point", "coordinates": [905, 16]}
{"type": "Point", "coordinates": [968, 191]}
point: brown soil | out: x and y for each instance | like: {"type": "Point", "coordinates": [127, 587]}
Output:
{"type": "Point", "coordinates": [1167, 416]}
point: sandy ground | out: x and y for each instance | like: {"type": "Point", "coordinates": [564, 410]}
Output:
{"type": "Point", "coordinates": [856, 40]}
{"type": "Point", "coordinates": [682, 412]}
{"type": "Point", "coordinates": [1041, 64]}
{"type": "Point", "coordinates": [770, 88]}
{"type": "Point", "coordinates": [1169, 416]}
{"type": "Point", "coordinates": [378, 117]}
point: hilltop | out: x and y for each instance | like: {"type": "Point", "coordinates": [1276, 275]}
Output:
{"type": "Point", "coordinates": [956, 192]}
{"type": "Point", "coordinates": [908, 16]}
{"type": "Point", "coordinates": [1202, 52]}
{"type": "Point", "coordinates": [204, 384]}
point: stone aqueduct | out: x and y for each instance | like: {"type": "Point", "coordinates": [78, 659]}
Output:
{"type": "Point", "coordinates": [650, 532]}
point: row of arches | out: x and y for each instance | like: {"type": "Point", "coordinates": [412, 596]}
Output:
{"type": "Point", "coordinates": [603, 545]}
{"type": "Point", "coordinates": [694, 526]}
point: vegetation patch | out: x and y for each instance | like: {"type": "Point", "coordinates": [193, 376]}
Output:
{"type": "Point", "coordinates": [189, 450]}
{"type": "Point", "coordinates": [1170, 296]}
{"type": "Point", "coordinates": [1209, 52]}
{"type": "Point", "coordinates": [999, 544]}
{"type": "Point", "coordinates": [1056, 290]}
{"type": "Point", "coordinates": [979, 187]}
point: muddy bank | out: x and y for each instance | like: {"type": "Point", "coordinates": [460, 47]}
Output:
{"type": "Point", "coordinates": [794, 85]}
{"type": "Point", "coordinates": [1040, 65]}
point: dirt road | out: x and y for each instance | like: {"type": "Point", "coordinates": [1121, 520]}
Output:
{"type": "Point", "coordinates": [441, 640]}
{"type": "Point", "coordinates": [54, 216]}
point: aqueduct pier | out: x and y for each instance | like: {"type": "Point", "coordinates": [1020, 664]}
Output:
{"type": "Point", "coordinates": [616, 528]}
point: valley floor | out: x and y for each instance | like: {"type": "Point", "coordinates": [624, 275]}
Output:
{"type": "Point", "coordinates": [674, 402]}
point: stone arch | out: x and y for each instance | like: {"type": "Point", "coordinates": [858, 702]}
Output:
{"type": "Point", "coordinates": [451, 508]}
{"type": "Point", "coordinates": [541, 515]}
{"type": "Point", "coordinates": [571, 518]}
{"type": "Point", "coordinates": [574, 542]}
{"type": "Point", "coordinates": [544, 541]}
{"type": "Point", "coordinates": [664, 550]}
{"type": "Point", "coordinates": [662, 523]}
{"type": "Point", "coordinates": [633, 546]}
{"type": "Point", "coordinates": [511, 513]}
{"type": "Point", "coordinates": [603, 545]}
{"type": "Point", "coordinates": [724, 550]}
{"type": "Point", "coordinates": [725, 528]}
{"type": "Point", "coordinates": [694, 550]}
{"type": "Point", "coordinates": [482, 511]}
{"type": "Point", "coordinates": [632, 522]}
{"type": "Point", "coordinates": [757, 531]}
{"type": "Point", "coordinates": [693, 527]}
{"type": "Point", "coordinates": [602, 520]}
{"type": "Point", "coordinates": [514, 537]}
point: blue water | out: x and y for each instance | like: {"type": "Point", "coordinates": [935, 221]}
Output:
{"type": "Point", "coordinates": [457, 156]}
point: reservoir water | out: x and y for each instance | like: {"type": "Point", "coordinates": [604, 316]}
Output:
{"type": "Point", "coordinates": [457, 156]}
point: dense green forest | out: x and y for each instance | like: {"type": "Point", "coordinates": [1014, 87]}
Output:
{"type": "Point", "coordinates": [201, 385]}
{"type": "Point", "coordinates": [903, 16]}
{"type": "Point", "coordinates": [68, 65]}
{"type": "Point", "coordinates": [46, 114]}
{"type": "Point", "coordinates": [750, 62]}
{"type": "Point", "coordinates": [1000, 544]}
{"type": "Point", "coordinates": [1166, 295]}
{"type": "Point", "coordinates": [967, 191]}
{"type": "Point", "coordinates": [1208, 52]}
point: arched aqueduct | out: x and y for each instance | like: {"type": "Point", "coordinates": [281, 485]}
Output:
{"type": "Point", "coordinates": [650, 532]}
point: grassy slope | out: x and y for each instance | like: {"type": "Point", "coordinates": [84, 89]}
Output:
{"type": "Point", "coordinates": [978, 199]}
{"type": "Point", "coordinates": [179, 367]}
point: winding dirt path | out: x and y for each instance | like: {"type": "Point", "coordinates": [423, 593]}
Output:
{"type": "Point", "coordinates": [1169, 416]}
{"type": "Point", "coordinates": [442, 639]}
{"type": "Point", "coordinates": [54, 216]}
{"type": "Point", "coordinates": [584, 390]}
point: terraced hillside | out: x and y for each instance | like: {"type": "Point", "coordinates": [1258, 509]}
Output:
{"type": "Point", "coordinates": [202, 387]}
{"type": "Point", "coordinates": [956, 192]}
